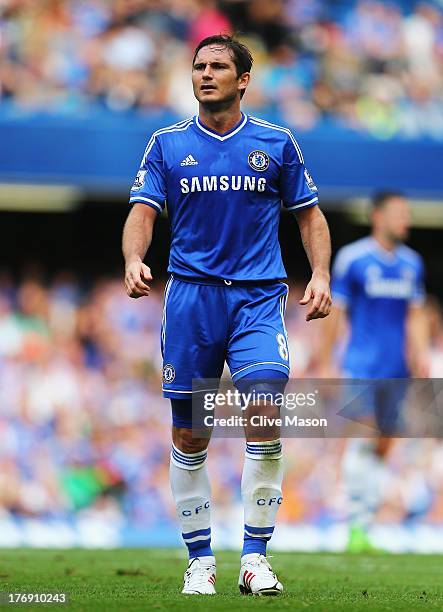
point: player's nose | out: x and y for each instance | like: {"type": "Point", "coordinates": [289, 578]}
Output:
{"type": "Point", "coordinates": [207, 73]}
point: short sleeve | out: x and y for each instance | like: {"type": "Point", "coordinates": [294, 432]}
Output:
{"type": "Point", "coordinates": [341, 283]}
{"type": "Point", "coordinates": [297, 186]}
{"type": "Point", "coordinates": [150, 185]}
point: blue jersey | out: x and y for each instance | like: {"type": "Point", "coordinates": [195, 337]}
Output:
{"type": "Point", "coordinates": [376, 287]}
{"type": "Point", "coordinates": [223, 194]}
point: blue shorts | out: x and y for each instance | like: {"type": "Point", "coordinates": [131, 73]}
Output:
{"type": "Point", "coordinates": [380, 402]}
{"type": "Point", "coordinates": [206, 323]}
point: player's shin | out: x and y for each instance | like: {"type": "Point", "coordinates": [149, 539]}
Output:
{"type": "Point", "coordinates": [261, 492]}
{"type": "Point", "coordinates": [363, 475]}
{"type": "Point", "coordinates": [191, 491]}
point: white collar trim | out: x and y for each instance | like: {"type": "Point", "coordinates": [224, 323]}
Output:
{"type": "Point", "coordinates": [218, 136]}
{"type": "Point", "coordinates": [388, 257]}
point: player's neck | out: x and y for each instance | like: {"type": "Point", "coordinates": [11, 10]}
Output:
{"type": "Point", "coordinates": [384, 242]}
{"type": "Point", "coordinates": [220, 121]}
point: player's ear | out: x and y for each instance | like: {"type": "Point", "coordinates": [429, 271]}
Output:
{"type": "Point", "coordinates": [243, 81]}
{"type": "Point", "coordinates": [374, 215]}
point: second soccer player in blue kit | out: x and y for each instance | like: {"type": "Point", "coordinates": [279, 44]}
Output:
{"type": "Point", "coordinates": [379, 283]}
{"type": "Point", "coordinates": [223, 176]}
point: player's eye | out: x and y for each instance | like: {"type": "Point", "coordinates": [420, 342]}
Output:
{"type": "Point", "coordinates": [199, 66]}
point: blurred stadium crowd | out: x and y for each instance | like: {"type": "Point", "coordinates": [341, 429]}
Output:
{"type": "Point", "coordinates": [84, 431]}
{"type": "Point", "coordinates": [370, 66]}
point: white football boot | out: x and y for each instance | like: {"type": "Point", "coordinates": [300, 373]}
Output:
{"type": "Point", "coordinates": [199, 579]}
{"type": "Point", "coordinates": [256, 576]}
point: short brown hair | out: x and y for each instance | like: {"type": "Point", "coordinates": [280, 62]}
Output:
{"type": "Point", "coordinates": [380, 198]}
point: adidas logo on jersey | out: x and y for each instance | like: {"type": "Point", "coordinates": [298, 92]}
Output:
{"type": "Point", "coordinates": [189, 161]}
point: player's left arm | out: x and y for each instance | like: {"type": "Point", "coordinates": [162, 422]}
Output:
{"type": "Point", "coordinates": [418, 340]}
{"type": "Point", "coordinates": [299, 195]}
{"type": "Point", "coordinates": [418, 336]}
{"type": "Point", "coordinates": [316, 239]}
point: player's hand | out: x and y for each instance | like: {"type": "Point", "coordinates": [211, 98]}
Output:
{"type": "Point", "coordinates": [420, 365]}
{"type": "Point", "coordinates": [319, 294]}
{"type": "Point", "coordinates": [315, 369]}
{"type": "Point", "coordinates": [136, 276]}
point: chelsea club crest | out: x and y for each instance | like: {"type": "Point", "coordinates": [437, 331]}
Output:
{"type": "Point", "coordinates": [258, 160]}
{"type": "Point", "coordinates": [168, 373]}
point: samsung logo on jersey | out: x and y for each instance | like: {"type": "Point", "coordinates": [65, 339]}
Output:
{"type": "Point", "coordinates": [389, 288]}
{"type": "Point", "coordinates": [222, 183]}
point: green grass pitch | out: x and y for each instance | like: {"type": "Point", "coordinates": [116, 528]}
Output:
{"type": "Point", "coordinates": [150, 579]}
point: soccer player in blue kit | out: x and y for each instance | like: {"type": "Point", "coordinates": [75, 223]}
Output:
{"type": "Point", "coordinates": [224, 176]}
{"type": "Point", "coordinates": [378, 282]}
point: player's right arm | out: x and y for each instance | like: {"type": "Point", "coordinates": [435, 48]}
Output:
{"type": "Point", "coordinates": [137, 236]}
{"type": "Point", "coordinates": [327, 334]}
{"type": "Point", "coordinates": [148, 196]}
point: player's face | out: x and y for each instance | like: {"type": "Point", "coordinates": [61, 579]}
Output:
{"type": "Point", "coordinates": [395, 219]}
{"type": "Point", "coordinates": [214, 76]}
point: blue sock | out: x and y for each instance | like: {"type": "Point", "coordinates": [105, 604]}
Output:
{"type": "Point", "coordinates": [253, 543]}
{"type": "Point", "coordinates": [200, 547]}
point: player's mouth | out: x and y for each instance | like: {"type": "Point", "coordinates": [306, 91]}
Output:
{"type": "Point", "coordinates": [207, 88]}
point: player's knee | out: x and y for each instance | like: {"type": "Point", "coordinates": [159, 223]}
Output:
{"type": "Point", "coordinates": [183, 439]}
{"type": "Point", "coordinates": [382, 447]}
{"type": "Point", "coordinates": [183, 435]}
